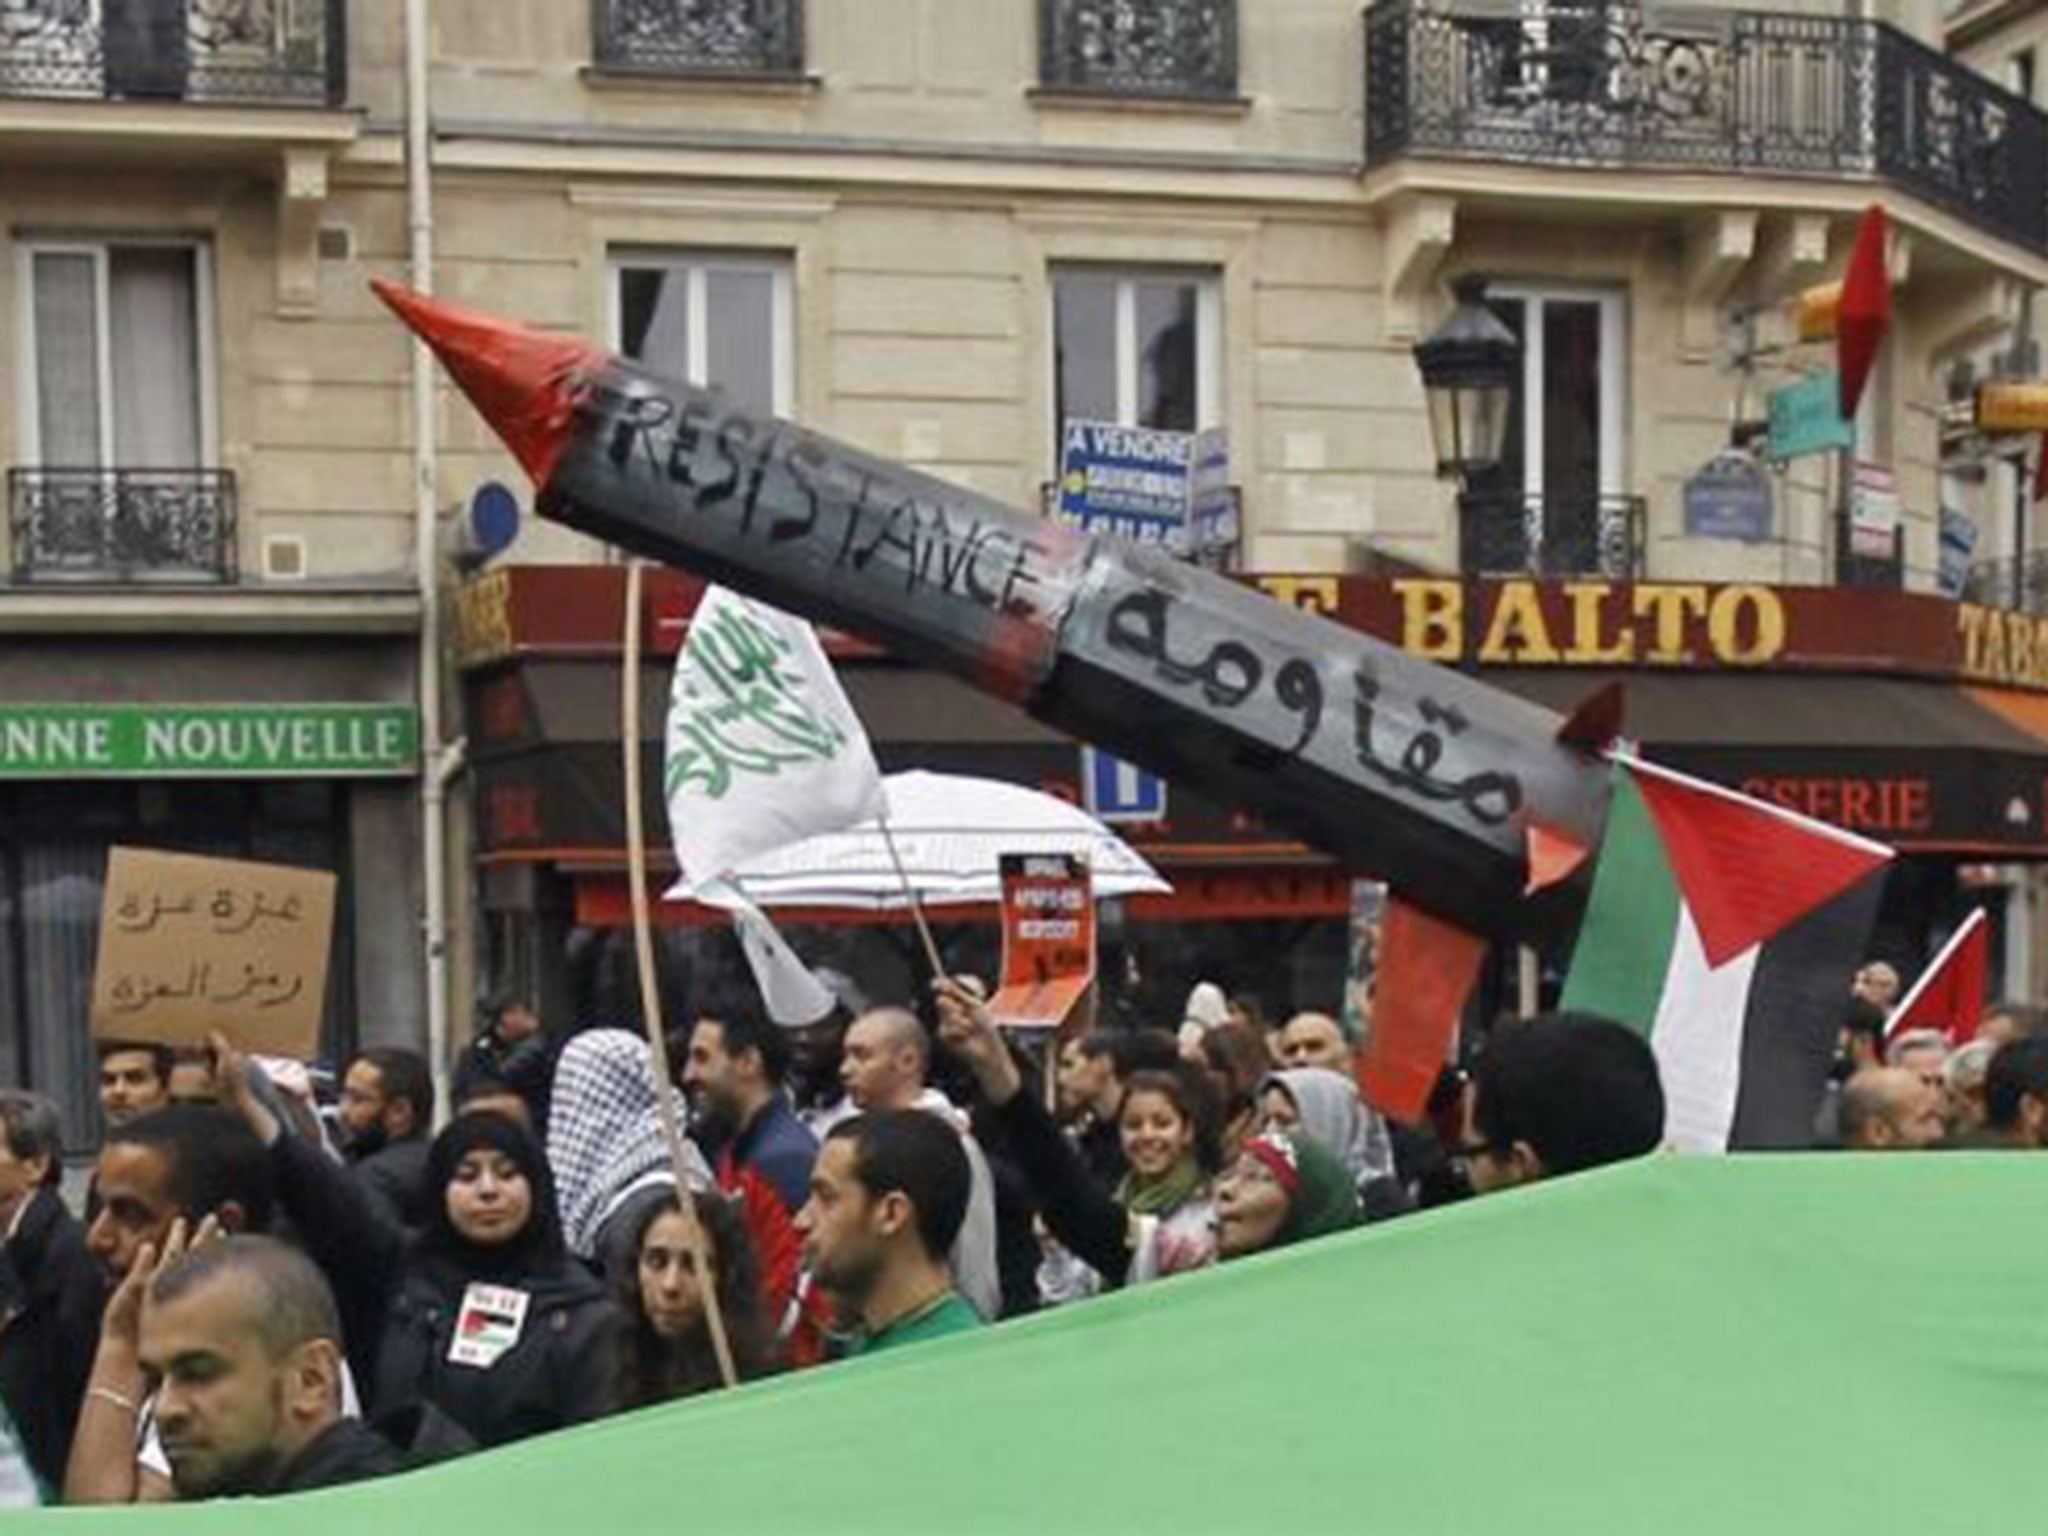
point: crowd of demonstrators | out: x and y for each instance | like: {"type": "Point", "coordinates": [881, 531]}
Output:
{"type": "Point", "coordinates": [261, 1301]}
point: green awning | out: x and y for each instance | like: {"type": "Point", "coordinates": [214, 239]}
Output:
{"type": "Point", "coordinates": [1729, 1346]}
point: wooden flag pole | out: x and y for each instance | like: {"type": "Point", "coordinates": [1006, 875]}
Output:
{"type": "Point", "coordinates": [650, 994]}
{"type": "Point", "coordinates": [924, 932]}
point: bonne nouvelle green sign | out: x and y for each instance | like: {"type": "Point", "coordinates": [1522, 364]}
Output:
{"type": "Point", "coordinates": [61, 741]}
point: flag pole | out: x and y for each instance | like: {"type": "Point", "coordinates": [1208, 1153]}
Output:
{"type": "Point", "coordinates": [1906, 1004]}
{"type": "Point", "coordinates": [924, 932]}
{"type": "Point", "coordinates": [650, 994]}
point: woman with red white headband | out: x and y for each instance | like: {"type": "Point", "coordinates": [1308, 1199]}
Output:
{"type": "Point", "coordinates": [1280, 1189]}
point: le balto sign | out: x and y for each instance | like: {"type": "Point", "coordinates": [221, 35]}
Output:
{"type": "Point", "coordinates": [206, 740]}
{"type": "Point", "coordinates": [1741, 626]}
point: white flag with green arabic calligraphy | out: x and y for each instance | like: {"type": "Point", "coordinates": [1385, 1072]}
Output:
{"type": "Point", "coordinates": [764, 750]}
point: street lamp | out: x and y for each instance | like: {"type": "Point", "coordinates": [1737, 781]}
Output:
{"type": "Point", "coordinates": [1468, 372]}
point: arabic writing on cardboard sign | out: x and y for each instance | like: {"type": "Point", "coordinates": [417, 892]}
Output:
{"type": "Point", "coordinates": [190, 945]}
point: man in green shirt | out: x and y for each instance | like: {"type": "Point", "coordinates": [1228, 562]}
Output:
{"type": "Point", "coordinates": [888, 1195]}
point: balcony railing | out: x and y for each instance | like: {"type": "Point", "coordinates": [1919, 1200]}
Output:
{"type": "Point", "coordinates": [699, 37]}
{"type": "Point", "coordinates": [2020, 584]}
{"type": "Point", "coordinates": [122, 525]}
{"type": "Point", "coordinates": [267, 52]}
{"type": "Point", "coordinates": [1185, 49]}
{"type": "Point", "coordinates": [1585, 84]}
{"type": "Point", "coordinates": [1550, 535]}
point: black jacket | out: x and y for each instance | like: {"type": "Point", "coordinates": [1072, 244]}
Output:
{"type": "Point", "coordinates": [399, 1310]}
{"type": "Point", "coordinates": [348, 1451]}
{"type": "Point", "coordinates": [352, 1451]}
{"type": "Point", "coordinates": [52, 1291]}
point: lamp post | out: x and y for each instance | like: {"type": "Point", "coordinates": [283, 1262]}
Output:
{"type": "Point", "coordinates": [1468, 369]}
{"type": "Point", "coordinates": [1468, 366]}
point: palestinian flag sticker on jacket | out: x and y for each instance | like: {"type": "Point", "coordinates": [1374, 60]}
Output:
{"type": "Point", "coordinates": [1725, 930]}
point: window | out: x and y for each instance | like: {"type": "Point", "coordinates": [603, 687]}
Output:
{"type": "Point", "coordinates": [716, 321]}
{"type": "Point", "coordinates": [1141, 349]}
{"type": "Point", "coordinates": [1562, 463]}
{"type": "Point", "coordinates": [116, 356]}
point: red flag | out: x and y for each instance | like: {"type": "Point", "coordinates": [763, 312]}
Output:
{"type": "Point", "coordinates": [1866, 308]}
{"type": "Point", "coordinates": [1949, 996]}
{"type": "Point", "coordinates": [1426, 971]}
{"type": "Point", "coordinates": [1748, 869]}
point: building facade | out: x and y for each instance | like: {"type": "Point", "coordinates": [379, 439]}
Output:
{"type": "Point", "coordinates": [939, 229]}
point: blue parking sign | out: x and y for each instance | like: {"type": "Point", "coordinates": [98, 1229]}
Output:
{"type": "Point", "coordinates": [1119, 791]}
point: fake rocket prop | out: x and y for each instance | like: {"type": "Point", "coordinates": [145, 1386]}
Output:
{"type": "Point", "coordinates": [1423, 777]}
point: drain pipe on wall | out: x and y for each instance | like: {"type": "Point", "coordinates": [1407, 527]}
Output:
{"type": "Point", "coordinates": [438, 762]}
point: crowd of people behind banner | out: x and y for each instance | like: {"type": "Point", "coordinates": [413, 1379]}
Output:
{"type": "Point", "coordinates": [262, 1296]}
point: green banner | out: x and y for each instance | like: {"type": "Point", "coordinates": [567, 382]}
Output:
{"type": "Point", "coordinates": [63, 741]}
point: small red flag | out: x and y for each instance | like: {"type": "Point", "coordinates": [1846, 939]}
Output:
{"type": "Point", "coordinates": [1427, 968]}
{"type": "Point", "coordinates": [1866, 309]}
{"type": "Point", "coordinates": [1949, 996]}
{"type": "Point", "coordinates": [1748, 870]}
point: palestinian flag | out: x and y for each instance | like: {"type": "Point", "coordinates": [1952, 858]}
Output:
{"type": "Point", "coordinates": [1949, 996]}
{"type": "Point", "coordinates": [1725, 930]}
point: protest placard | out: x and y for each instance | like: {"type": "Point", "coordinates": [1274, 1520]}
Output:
{"type": "Point", "coordinates": [1048, 940]}
{"type": "Point", "coordinates": [190, 945]}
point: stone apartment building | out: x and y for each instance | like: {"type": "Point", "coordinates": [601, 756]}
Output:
{"type": "Point", "coordinates": [937, 229]}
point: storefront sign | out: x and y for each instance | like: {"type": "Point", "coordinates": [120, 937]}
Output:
{"type": "Point", "coordinates": [1591, 623]}
{"type": "Point", "coordinates": [483, 619]}
{"type": "Point", "coordinates": [1729, 499]}
{"type": "Point", "coordinates": [1999, 646]}
{"type": "Point", "coordinates": [64, 741]}
{"type": "Point", "coordinates": [192, 945]}
{"type": "Point", "coordinates": [1806, 417]}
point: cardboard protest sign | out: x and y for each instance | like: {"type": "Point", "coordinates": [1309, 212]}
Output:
{"type": "Point", "coordinates": [1048, 939]}
{"type": "Point", "coordinates": [190, 945]}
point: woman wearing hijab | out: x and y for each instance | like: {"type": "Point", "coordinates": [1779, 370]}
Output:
{"type": "Point", "coordinates": [484, 1316]}
{"type": "Point", "coordinates": [1324, 1107]}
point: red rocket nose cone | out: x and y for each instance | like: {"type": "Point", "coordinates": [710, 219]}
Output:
{"type": "Point", "coordinates": [524, 382]}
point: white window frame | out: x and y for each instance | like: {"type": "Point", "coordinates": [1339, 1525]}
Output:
{"type": "Point", "coordinates": [1208, 283]}
{"type": "Point", "coordinates": [28, 410]}
{"type": "Point", "coordinates": [1613, 378]}
{"type": "Point", "coordinates": [698, 263]}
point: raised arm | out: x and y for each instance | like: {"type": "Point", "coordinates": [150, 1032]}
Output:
{"type": "Point", "coordinates": [1093, 1226]}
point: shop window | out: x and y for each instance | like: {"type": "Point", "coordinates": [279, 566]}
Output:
{"type": "Point", "coordinates": [713, 320]}
{"type": "Point", "coordinates": [117, 355]}
{"type": "Point", "coordinates": [1138, 348]}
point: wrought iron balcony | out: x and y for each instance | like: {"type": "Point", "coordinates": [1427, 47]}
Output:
{"type": "Point", "coordinates": [123, 525]}
{"type": "Point", "coordinates": [1504, 535]}
{"type": "Point", "coordinates": [264, 52]}
{"type": "Point", "coordinates": [1160, 48]}
{"type": "Point", "coordinates": [1696, 89]}
{"type": "Point", "coordinates": [2020, 584]}
{"type": "Point", "coordinates": [699, 37]}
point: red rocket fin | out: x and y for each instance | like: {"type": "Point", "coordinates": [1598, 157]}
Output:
{"type": "Point", "coordinates": [523, 382]}
{"type": "Point", "coordinates": [1596, 721]}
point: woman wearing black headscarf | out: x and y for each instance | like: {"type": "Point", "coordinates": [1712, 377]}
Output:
{"type": "Point", "coordinates": [484, 1316]}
